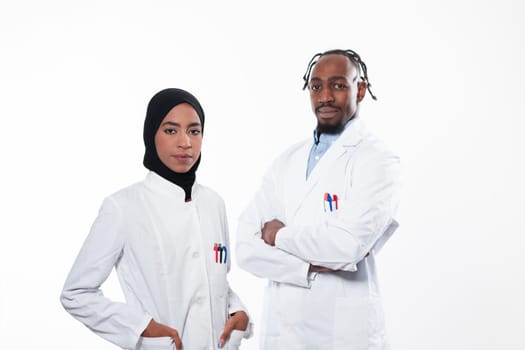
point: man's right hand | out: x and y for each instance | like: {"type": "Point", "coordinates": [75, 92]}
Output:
{"type": "Point", "coordinates": [317, 268]}
{"type": "Point", "coordinates": [155, 330]}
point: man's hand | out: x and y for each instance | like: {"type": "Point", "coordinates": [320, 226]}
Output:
{"type": "Point", "coordinates": [239, 321]}
{"type": "Point", "coordinates": [317, 268]}
{"type": "Point", "coordinates": [155, 330]}
{"type": "Point", "coordinates": [269, 231]}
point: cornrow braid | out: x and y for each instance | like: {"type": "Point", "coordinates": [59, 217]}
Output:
{"type": "Point", "coordinates": [351, 55]}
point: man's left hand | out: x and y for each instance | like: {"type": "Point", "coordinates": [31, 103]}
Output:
{"type": "Point", "coordinates": [269, 231]}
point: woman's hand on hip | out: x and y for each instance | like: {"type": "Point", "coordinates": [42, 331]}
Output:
{"type": "Point", "coordinates": [238, 321]}
{"type": "Point", "coordinates": [155, 330]}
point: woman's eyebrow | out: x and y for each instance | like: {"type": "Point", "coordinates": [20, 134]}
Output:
{"type": "Point", "coordinates": [171, 123]}
{"type": "Point", "coordinates": [178, 125]}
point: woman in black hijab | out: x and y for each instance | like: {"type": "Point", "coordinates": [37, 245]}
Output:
{"type": "Point", "coordinates": [167, 238]}
{"type": "Point", "coordinates": [159, 106]}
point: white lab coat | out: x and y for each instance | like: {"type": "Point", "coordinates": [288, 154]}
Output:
{"type": "Point", "coordinates": [324, 310]}
{"type": "Point", "coordinates": [162, 249]}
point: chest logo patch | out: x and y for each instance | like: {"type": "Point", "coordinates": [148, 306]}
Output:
{"type": "Point", "coordinates": [330, 202]}
{"type": "Point", "coordinates": [221, 253]}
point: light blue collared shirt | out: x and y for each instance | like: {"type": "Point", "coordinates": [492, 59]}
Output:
{"type": "Point", "coordinates": [321, 144]}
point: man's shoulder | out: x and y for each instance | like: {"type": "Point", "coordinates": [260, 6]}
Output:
{"type": "Point", "coordinates": [374, 144]}
{"type": "Point", "coordinates": [367, 142]}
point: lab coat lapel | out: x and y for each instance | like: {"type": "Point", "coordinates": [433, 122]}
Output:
{"type": "Point", "coordinates": [345, 146]}
{"type": "Point", "coordinates": [296, 179]}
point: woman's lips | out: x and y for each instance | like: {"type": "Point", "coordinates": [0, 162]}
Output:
{"type": "Point", "coordinates": [183, 158]}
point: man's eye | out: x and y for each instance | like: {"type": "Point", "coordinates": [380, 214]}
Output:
{"type": "Point", "coordinates": [315, 87]}
{"type": "Point", "coordinates": [339, 86]}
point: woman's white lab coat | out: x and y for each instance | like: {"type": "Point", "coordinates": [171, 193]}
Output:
{"type": "Point", "coordinates": [163, 252]}
{"type": "Point", "coordinates": [325, 310]}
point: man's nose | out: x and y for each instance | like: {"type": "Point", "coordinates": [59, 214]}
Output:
{"type": "Point", "coordinates": [326, 95]}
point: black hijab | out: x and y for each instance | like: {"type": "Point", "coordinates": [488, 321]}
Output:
{"type": "Point", "coordinates": [159, 106]}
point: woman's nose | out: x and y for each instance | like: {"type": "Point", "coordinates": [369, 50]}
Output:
{"type": "Point", "coordinates": [184, 141]}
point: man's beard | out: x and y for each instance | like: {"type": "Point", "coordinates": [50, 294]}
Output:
{"type": "Point", "coordinates": [329, 129]}
{"type": "Point", "coordinates": [332, 129]}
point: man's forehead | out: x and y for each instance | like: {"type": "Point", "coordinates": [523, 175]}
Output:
{"type": "Point", "coordinates": [334, 66]}
{"type": "Point", "coordinates": [335, 60]}
{"type": "Point", "coordinates": [331, 78]}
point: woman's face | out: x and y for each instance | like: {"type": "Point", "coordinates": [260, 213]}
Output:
{"type": "Point", "coordinates": [179, 138]}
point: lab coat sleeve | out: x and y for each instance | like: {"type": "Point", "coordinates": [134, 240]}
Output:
{"type": "Point", "coordinates": [234, 302]}
{"type": "Point", "coordinates": [255, 256]}
{"type": "Point", "coordinates": [81, 295]}
{"type": "Point", "coordinates": [366, 218]}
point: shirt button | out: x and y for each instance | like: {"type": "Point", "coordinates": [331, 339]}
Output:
{"type": "Point", "coordinates": [195, 255]}
{"type": "Point", "coordinates": [316, 157]}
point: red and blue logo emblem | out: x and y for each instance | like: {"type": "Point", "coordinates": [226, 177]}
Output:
{"type": "Point", "coordinates": [221, 253]}
{"type": "Point", "coordinates": [330, 202]}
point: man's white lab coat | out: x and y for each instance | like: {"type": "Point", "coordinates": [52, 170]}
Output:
{"type": "Point", "coordinates": [163, 249]}
{"type": "Point", "coordinates": [342, 212]}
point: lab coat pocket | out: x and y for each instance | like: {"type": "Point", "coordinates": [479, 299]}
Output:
{"type": "Point", "coordinates": [354, 322]}
{"type": "Point", "coordinates": [235, 340]}
{"type": "Point", "coordinates": [334, 209]}
{"type": "Point", "coordinates": [156, 343]}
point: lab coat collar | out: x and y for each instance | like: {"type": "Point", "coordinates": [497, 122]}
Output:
{"type": "Point", "coordinates": [352, 135]}
{"type": "Point", "coordinates": [159, 184]}
{"type": "Point", "coordinates": [350, 138]}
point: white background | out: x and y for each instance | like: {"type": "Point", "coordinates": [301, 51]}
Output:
{"type": "Point", "coordinates": [75, 78]}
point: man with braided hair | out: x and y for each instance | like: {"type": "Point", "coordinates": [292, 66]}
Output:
{"type": "Point", "coordinates": [324, 209]}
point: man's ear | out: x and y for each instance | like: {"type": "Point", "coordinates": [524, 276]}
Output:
{"type": "Point", "coordinates": [361, 90]}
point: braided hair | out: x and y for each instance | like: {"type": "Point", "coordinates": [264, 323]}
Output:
{"type": "Point", "coordinates": [351, 55]}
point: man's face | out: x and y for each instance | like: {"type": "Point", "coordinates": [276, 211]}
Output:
{"type": "Point", "coordinates": [334, 92]}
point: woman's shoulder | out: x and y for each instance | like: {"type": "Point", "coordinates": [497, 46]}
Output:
{"type": "Point", "coordinates": [128, 192]}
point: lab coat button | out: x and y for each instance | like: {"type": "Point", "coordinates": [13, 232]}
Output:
{"type": "Point", "coordinates": [199, 300]}
{"type": "Point", "coordinates": [195, 255]}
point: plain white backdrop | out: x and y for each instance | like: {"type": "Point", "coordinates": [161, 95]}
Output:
{"type": "Point", "coordinates": [75, 78]}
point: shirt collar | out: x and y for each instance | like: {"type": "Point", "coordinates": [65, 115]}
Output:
{"type": "Point", "coordinates": [330, 137]}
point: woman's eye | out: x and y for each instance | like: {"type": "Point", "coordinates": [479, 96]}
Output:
{"type": "Point", "coordinates": [195, 132]}
{"type": "Point", "coordinates": [170, 131]}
